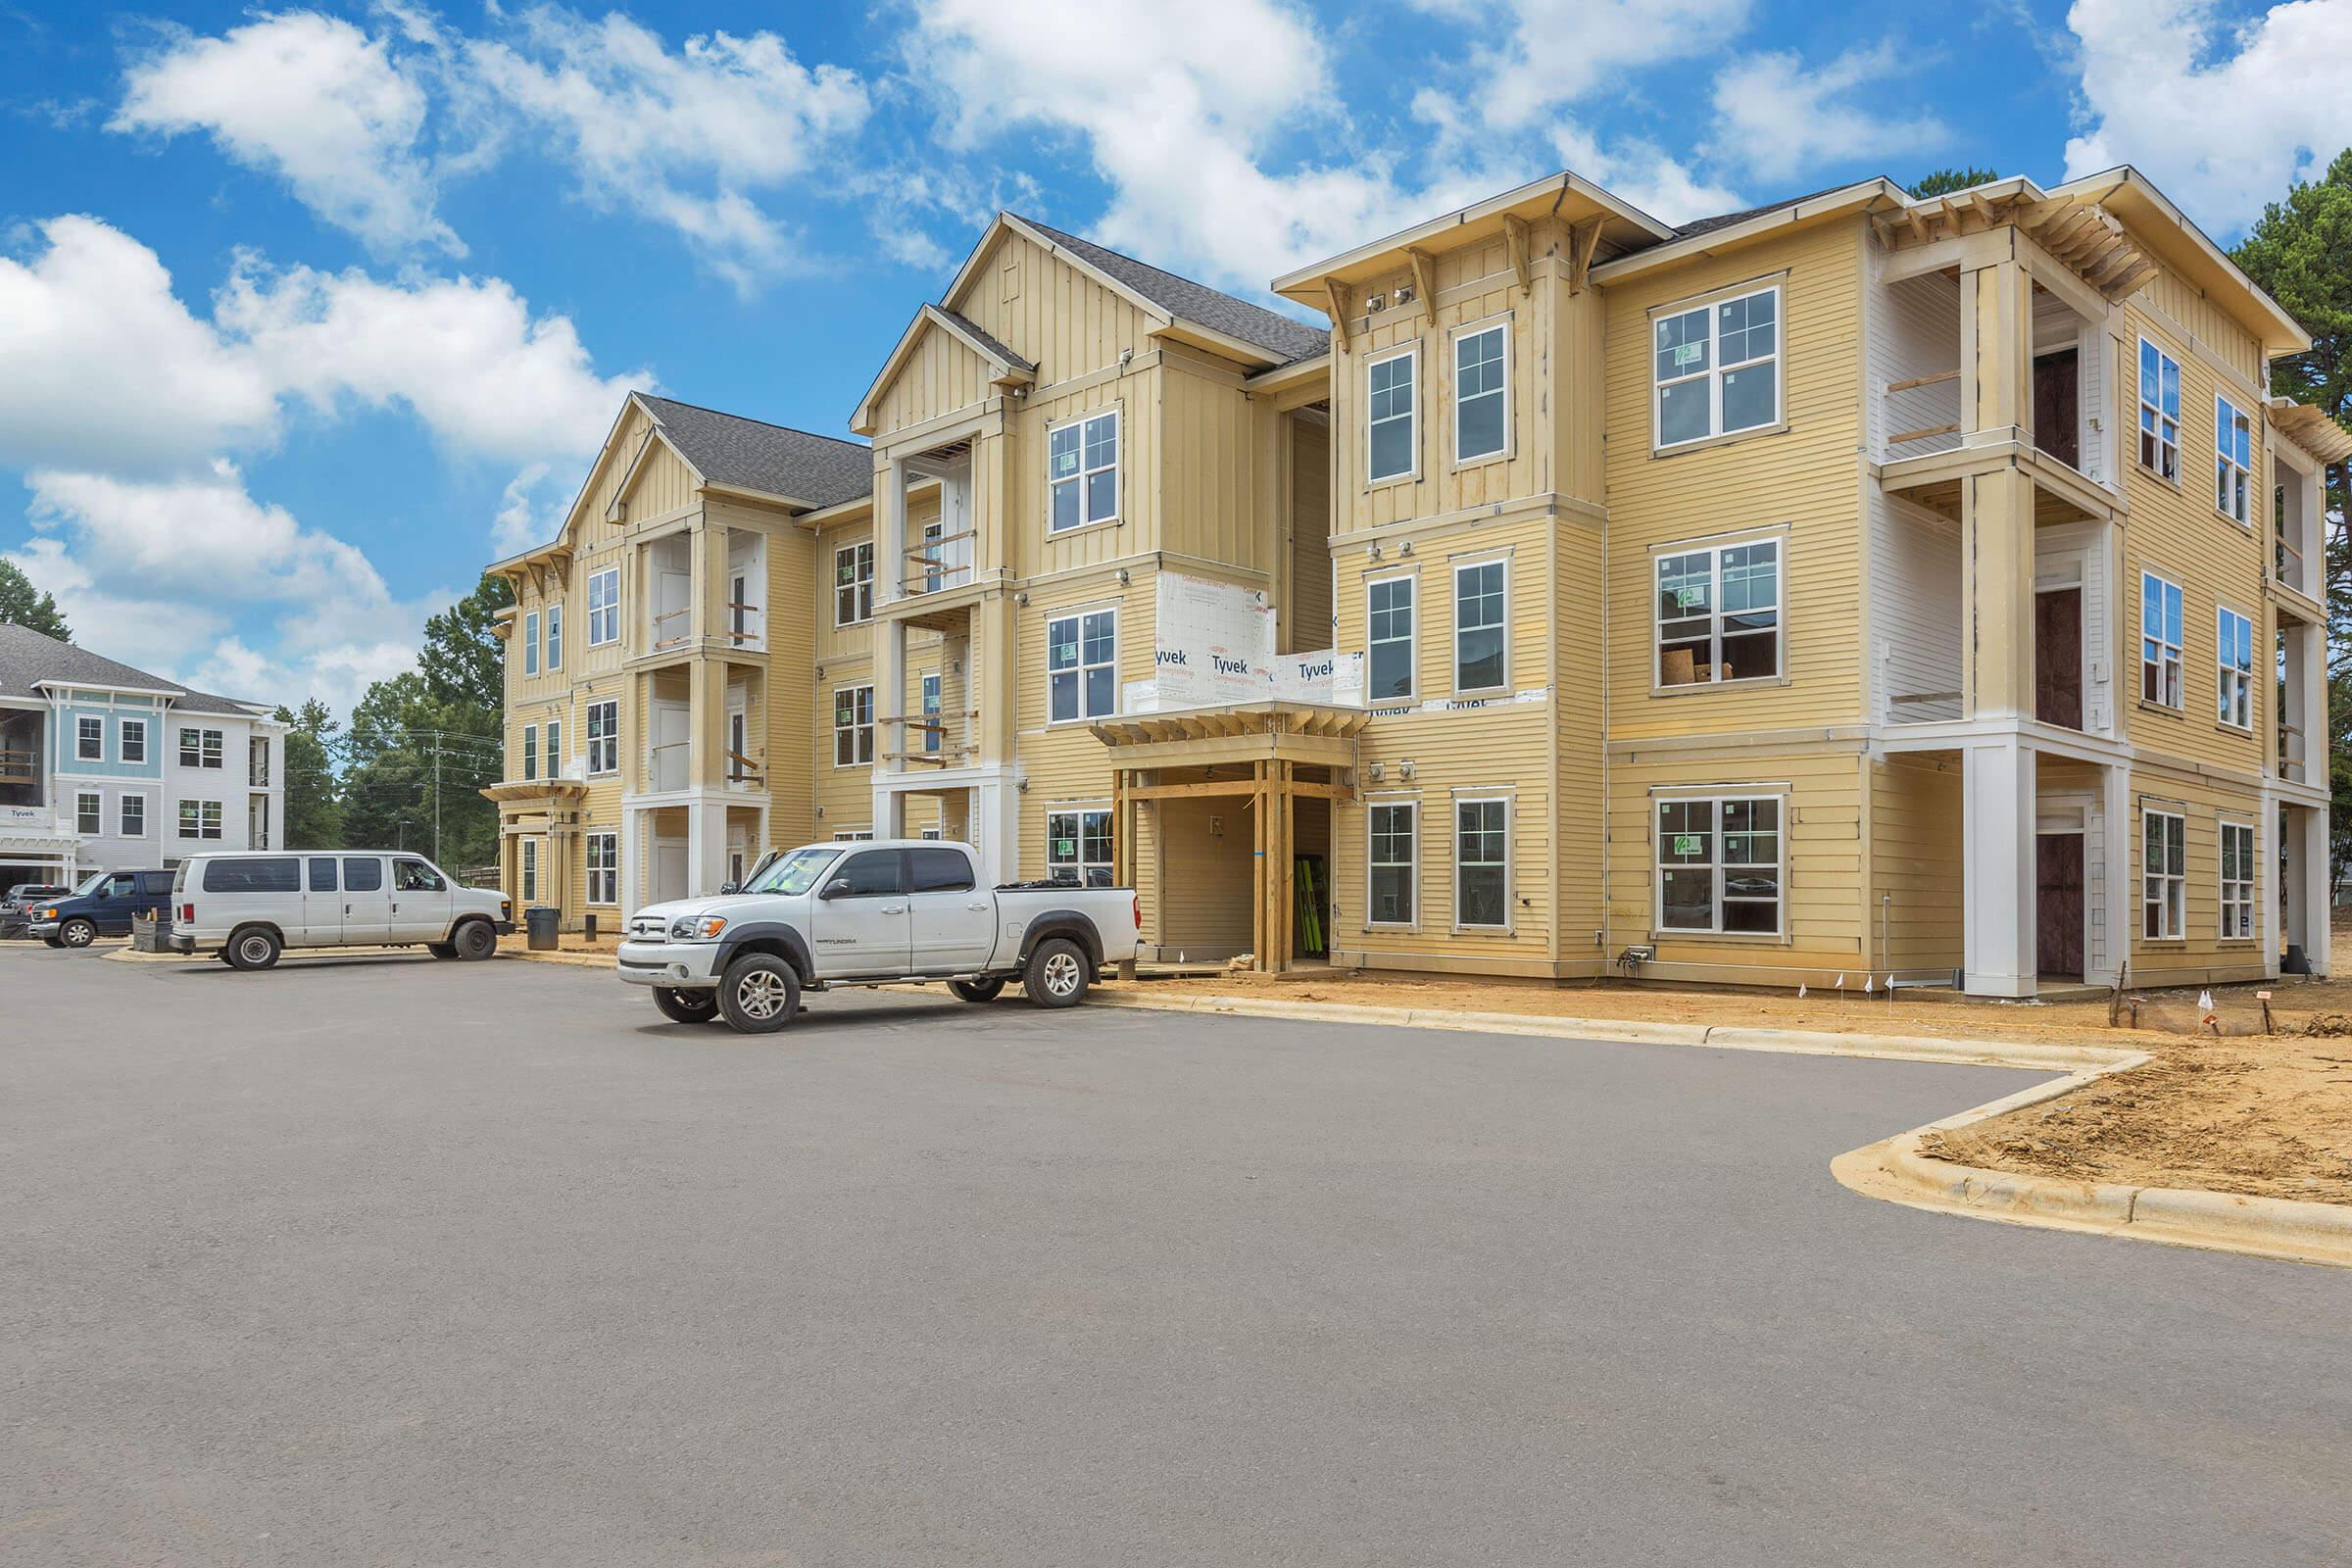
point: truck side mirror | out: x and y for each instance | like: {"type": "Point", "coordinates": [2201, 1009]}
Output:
{"type": "Point", "coordinates": [725, 888]}
{"type": "Point", "coordinates": [838, 887]}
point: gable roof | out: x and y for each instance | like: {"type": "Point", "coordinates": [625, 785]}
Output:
{"type": "Point", "coordinates": [740, 454]}
{"type": "Point", "coordinates": [981, 339]}
{"type": "Point", "coordinates": [1707, 225]}
{"type": "Point", "coordinates": [1277, 334]}
{"type": "Point", "coordinates": [28, 659]}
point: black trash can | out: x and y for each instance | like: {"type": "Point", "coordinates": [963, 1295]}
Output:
{"type": "Point", "coordinates": [540, 921]}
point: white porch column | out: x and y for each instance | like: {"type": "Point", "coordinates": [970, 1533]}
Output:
{"type": "Point", "coordinates": [632, 865]}
{"type": "Point", "coordinates": [706, 848]}
{"type": "Point", "coordinates": [1998, 851]}
{"type": "Point", "coordinates": [994, 821]}
{"type": "Point", "coordinates": [2307, 697]}
{"type": "Point", "coordinates": [890, 652]}
{"type": "Point", "coordinates": [2307, 889]}
{"type": "Point", "coordinates": [2120, 876]}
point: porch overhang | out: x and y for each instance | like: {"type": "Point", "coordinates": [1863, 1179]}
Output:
{"type": "Point", "coordinates": [1310, 733]}
{"type": "Point", "coordinates": [545, 790]}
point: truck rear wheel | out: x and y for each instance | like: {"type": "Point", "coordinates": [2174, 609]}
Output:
{"type": "Point", "coordinates": [1057, 975]}
{"type": "Point", "coordinates": [760, 994]}
{"type": "Point", "coordinates": [978, 990]}
{"type": "Point", "coordinates": [686, 1007]}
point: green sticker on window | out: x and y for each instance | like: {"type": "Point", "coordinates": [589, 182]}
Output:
{"type": "Point", "coordinates": [1687, 353]}
{"type": "Point", "coordinates": [1685, 843]}
{"type": "Point", "coordinates": [1686, 598]}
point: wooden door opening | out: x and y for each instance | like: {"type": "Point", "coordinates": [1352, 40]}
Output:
{"type": "Point", "coordinates": [2058, 406]}
{"type": "Point", "coordinates": [2058, 903]}
{"type": "Point", "coordinates": [2058, 657]}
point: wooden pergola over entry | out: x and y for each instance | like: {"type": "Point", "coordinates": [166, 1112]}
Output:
{"type": "Point", "coordinates": [1275, 740]}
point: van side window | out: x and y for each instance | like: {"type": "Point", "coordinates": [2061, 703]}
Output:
{"type": "Point", "coordinates": [278, 873]}
{"type": "Point", "coordinates": [118, 887]}
{"type": "Point", "coordinates": [322, 873]}
{"type": "Point", "coordinates": [938, 871]}
{"type": "Point", "coordinates": [362, 875]}
{"type": "Point", "coordinates": [414, 876]}
{"type": "Point", "coordinates": [156, 883]}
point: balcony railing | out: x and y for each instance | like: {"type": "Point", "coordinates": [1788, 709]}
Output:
{"type": "Point", "coordinates": [938, 563]}
{"type": "Point", "coordinates": [2287, 566]}
{"type": "Point", "coordinates": [19, 766]}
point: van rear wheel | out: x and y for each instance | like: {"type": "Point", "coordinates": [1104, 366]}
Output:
{"type": "Point", "coordinates": [252, 948]}
{"type": "Point", "coordinates": [978, 990]}
{"type": "Point", "coordinates": [441, 949]}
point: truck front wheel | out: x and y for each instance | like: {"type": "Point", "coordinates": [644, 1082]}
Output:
{"type": "Point", "coordinates": [1057, 975]}
{"type": "Point", "coordinates": [760, 994]}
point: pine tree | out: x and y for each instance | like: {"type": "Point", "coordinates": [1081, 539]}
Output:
{"type": "Point", "coordinates": [23, 605]}
{"type": "Point", "coordinates": [313, 795]}
{"type": "Point", "coordinates": [1943, 182]}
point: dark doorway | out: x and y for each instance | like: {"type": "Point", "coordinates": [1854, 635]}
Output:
{"type": "Point", "coordinates": [2057, 406]}
{"type": "Point", "coordinates": [2058, 903]}
{"type": "Point", "coordinates": [2058, 657]}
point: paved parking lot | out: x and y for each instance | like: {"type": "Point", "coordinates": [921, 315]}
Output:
{"type": "Point", "coordinates": [406, 1263]}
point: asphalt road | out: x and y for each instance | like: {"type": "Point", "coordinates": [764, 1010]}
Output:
{"type": "Point", "coordinates": [403, 1262]}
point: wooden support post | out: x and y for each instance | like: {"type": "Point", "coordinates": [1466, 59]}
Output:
{"type": "Point", "coordinates": [1337, 292]}
{"type": "Point", "coordinates": [1287, 894]}
{"type": "Point", "coordinates": [1522, 258]}
{"type": "Point", "coordinates": [1258, 905]}
{"type": "Point", "coordinates": [1120, 871]}
{"type": "Point", "coordinates": [1425, 278]}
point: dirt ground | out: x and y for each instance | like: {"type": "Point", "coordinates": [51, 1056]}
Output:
{"type": "Point", "coordinates": [2244, 1112]}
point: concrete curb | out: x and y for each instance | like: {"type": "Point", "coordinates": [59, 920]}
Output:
{"type": "Point", "coordinates": [1896, 1169]}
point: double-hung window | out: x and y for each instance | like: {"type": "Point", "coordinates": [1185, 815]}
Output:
{"type": "Point", "coordinates": [603, 736]}
{"type": "Point", "coordinates": [89, 813]}
{"type": "Point", "coordinates": [135, 740]}
{"type": "Point", "coordinates": [853, 585]}
{"type": "Point", "coordinates": [90, 740]}
{"type": "Point", "coordinates": [1078, 845]}
{"type": "Point", "coordinates": [1481, 395]}
{"type": "Point", "coordinates": [200, 819]}
{"type": "Point", "coordinates": [531, 751]}
{"type": "Point", "coordinates": [1719, 614]}
{"type": "Point", "coordinates": [603, 606]}
{"type": "Point", "coordinates": [1480, 592]}
{"type": "Point", "coordinates": [2160, 617]}
{"type": "Point", "coordinates": [2159, 411]}
{"type": "Point", "coordinates": [1389, 857]}
{"type": "Point", "coordinates": [1391, 450]}
{"type": "Point", "coordinates": [2233, 461]}
{"type": "Point", "coordinates": [134, 816]}
{"type": "Point", "coordinates": [1716, 368]}
{"type": "Point", "coordinates": [555, 636]}
{"type": "Point", "coordinates": [2234, 636]}
{"type": "Point", "coordinates": [933, 740]}
{"type": "Point", "coordinates": [1389, 615]}
{"type": "Point", "coordinates": [2164, 889]}
{"type": "Point", "coordinates": [1481, 862]}
{"type": "Point", "coordinates": [853, 725]}
{"type": "Point", "coordinates": [531, 642]}
{"type": "Point", "coordinates": [1719, 864]}
{"type": "Point", "coordinates": [531, 870]}
{"type": "Point", "coordinates": [2237, 880]}
{"type": "Point", "coordinates": [1081, 666]}
{"type": "Point", "coordinates": [200, 748]}
{"type": "Point", "coordinates": [604, 867]}
{"type": "Point", "coordinates": [554, 748]}
{"type": "Point", "coordinates": [1082, 471]}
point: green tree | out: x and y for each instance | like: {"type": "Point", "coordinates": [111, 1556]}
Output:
{"type": "Point", "coordinates": [2300, 252]}
{"type": "Point", "coordinates": [462, 660]}
{"type": "Point", "coordinates": [23, 605]}
{"type": "Point", "coordinates": [1943, 182]}
{"type": "Point", "coordinates": [313, 795]}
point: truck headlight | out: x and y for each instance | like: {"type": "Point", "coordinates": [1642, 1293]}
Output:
{"type": "Point", "coordinates": [698, 929]}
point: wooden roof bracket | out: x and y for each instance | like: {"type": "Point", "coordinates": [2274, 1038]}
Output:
{"type": "Point", "coordinates": [1584, 242]}
{"type": "Point", "coordinates": [1338, 292]}
{"type": "Point", "coordinates": [1514, 233]}
{"type": "Point", "coordinates": [1425, 278]}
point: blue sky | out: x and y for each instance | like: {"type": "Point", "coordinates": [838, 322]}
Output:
{"type": "Point", "coordinates": [308, 313]}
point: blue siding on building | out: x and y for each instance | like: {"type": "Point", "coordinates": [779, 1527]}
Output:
{"type": "Point", "coordinates": [65, 737]}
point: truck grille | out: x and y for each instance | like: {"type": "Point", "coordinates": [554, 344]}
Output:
{"type": "Point", "coordinates": [649, 929]}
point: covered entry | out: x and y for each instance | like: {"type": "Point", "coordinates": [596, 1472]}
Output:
{"type": "Point", "coordinates": [1274, 768]}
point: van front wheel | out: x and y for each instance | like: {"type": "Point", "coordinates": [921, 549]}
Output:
{"type": "Point", "coordinates": [474, 941]}
{"type": "Point", "coordinates": [252, 950]}
{"type": "Point", "coordinates": [77, 934]}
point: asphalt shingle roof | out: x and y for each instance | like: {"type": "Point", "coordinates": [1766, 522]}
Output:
{"type": "Point", "coordinates": [980, 335]}
{"type": "Point", "coordinates": [1270, 330]}
{"type": "Point", "coordinates": [1707, 225]}
{"type": "Point", "coordinates": [28, 657]}
{"type": "Point", "coordinates": [751, 455]}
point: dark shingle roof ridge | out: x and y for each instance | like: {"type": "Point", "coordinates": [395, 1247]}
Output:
{"type": "Point", "coordinates": [1702, 226]}
{"type": "Point", "coordinates": [777, 459]}
{"type": "Point", "coordinates": [71, 665]}
{"type": "Point", "coordinates": [988, 339]}
{"type": "Point", "coordinates": [788, 430]}
{"type": "Point", "coordinates": [1201, 302]}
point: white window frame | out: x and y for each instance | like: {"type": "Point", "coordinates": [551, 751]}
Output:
{"type": "Point", "coordinates": [2160, 654]}
{"type": "Point", "coordinates": [2228, 472]}
{"type": "Point", "coordinates": [89, 805]}
{"type": "Point", "coordinates": [2164, 890]}
{"type": "Point", "coordinates": [860, 734]}
{"type": "Point", "coordinates": [2232, 680]}
{"type": "Point", "coordinates": [1483, 798]}
{"type": "Point", "coordinates": [1411, 638]}
{"type": "Point", "coordinates": [530, 642]}
{"type": "Point", "coordinates": [1714, 549]}
{"type": "Point", "coordinates": [133, 728]}
{"type": "Point", "coordinates": [2237, 900]}
{"type": "Point", "coordinates": [854, 835]}
{"type": "Point", "coordinates": [555, 638]}
{"type": "Point", "coordinates": [1411, 806]}
{"type": "Point", "coordinates": [857, 592]}
{"type": "Point", "coordinates": [531, 751]}
{"type": "Point", "coordinates": [2158, 431]}
{"type": "Point", "coordinates": [206, 815]}
{"type": "Point", "coordinates": [604, 880]}
{"type": "Point", "coordinates": [1502, 563]}
{"type": "Point", "coordinates": [550, 748]}
{"type": "Point", "coordinates": [929, 689]}
{"type": "Point", "coordinates": [1083, 475]}
{"type": "Point", "coordinates": [89, 738]}
{"type": "Point", "coordinates": [1081, 668]}
{"type": "Point", "coordinates": [1079, 861]}
{"type": "Point", "coordinates": [529, 870]}
{"type": "Point", "coordinates": [603, 606]}
{"type": "Point", "coordinates": [603, 751]}
{"type": "Point", "coordinates": [1716, 370]}
{"type": "Point", "coordinates": [1413, 417]}
{"type": "Point", "coordinates": [129, 804]}
{"type": "Point", "coordinates": [1500, 326]}
{"type": "Point", "coordinates": [1715, 864]}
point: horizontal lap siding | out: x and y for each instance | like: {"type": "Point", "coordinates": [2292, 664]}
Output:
{"type": "Point", "coordinates": [1065, 764]}
{"type": "Point", "coordinates": [1309, 622]}
{"type": "Point", "coordinates": [1206, 879]}
{"type": "Point", "coordinates": [1578, 702]}
{"type": "Point", "coordinates": [2201, 955]}
{"type": "Point", "coordinates": [1804, 479]}
{"type": "Point", "coordinates": [1917, 872]}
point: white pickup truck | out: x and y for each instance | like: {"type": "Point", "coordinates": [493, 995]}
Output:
{"type": "Point", "coordinates": [869, 913]}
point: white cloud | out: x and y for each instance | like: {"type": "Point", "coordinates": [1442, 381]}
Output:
{"type": "Point", "coordinates": [310, 99]}
{"type": "Point", "coordinates": [1555, 52]}
{"type": "Point", "coordinates": [1644, 173]}
{"type": "Point", "coordinates": [151, 634]}
{"type": "Point", "coordinates": [102, 366]}
{"type": "Point", "coordinates": [1776, 115]}
{"type": "Point", "coordinates": [529, 512]}
{"type": "Point", "coordinates": [2222, 118]}
{"type": "Point", "coordinates": [686, 138]}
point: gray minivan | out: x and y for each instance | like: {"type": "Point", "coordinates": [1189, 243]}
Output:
{"type": "Point", "coordinates": [250, 906]}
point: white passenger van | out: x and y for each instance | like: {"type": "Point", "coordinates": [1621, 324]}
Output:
{"type": "Point", "coordinates": [249, 908]}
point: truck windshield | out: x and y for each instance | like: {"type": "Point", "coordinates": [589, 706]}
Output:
{"type": "Point", "coordinates": [796, 872]}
